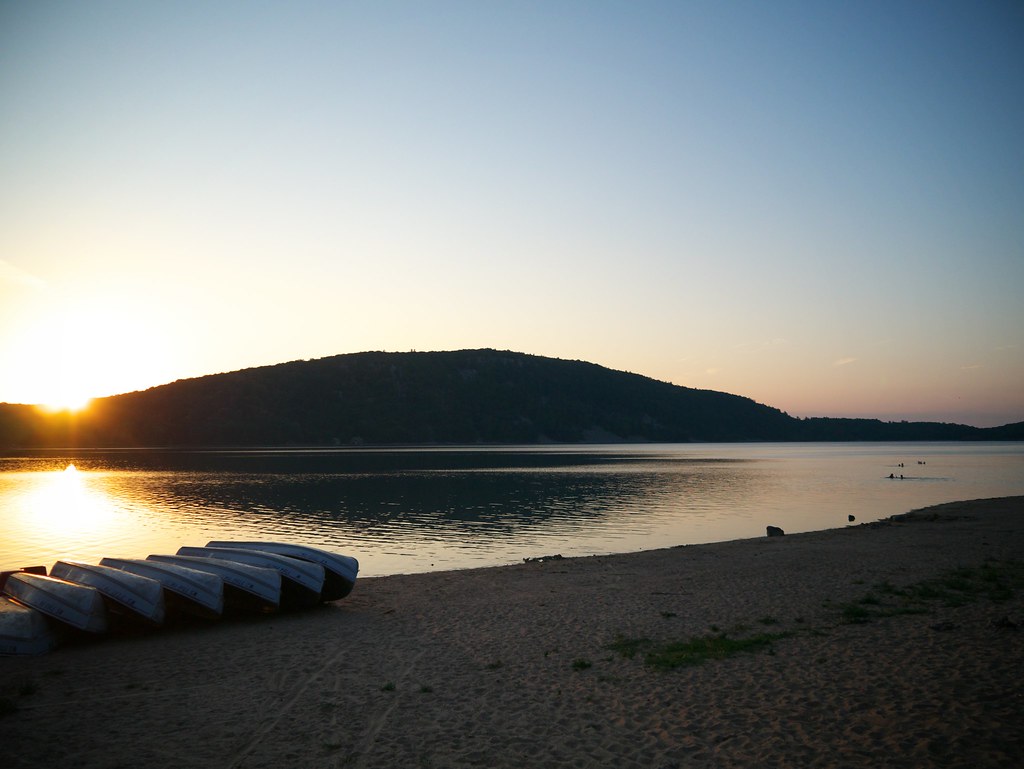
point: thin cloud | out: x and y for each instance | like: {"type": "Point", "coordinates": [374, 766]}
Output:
{"type": "Point", "coordinates": [844, 361]}
{"type": "Point", "coordinates": [765, 344]}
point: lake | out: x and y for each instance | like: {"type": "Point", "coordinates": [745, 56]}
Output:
{"type": "Point", "coordinates": [414, 510]}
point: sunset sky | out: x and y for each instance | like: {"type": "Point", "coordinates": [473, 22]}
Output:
{"type": "Point", "coordinates": [817, 205]}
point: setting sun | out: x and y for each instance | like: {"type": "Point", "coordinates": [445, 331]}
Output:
{"type": "Point", "coordinates": [65, 352]}
{"type": "Point", "coordinates": [66, 402]}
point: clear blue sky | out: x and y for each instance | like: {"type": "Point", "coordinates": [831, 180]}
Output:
{"type": "Point", "coordinates": [817, 205]}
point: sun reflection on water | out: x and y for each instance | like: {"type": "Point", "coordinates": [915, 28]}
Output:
{"type": "Point", "coordinates": [62, 506]}
{"type": "Point", "coordinates": [67, 513]}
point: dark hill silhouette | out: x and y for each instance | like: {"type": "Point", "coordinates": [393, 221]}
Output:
{"type": "Point", "coordinates": [464, 397]}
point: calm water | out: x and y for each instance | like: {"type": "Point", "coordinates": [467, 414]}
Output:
{"type": "Point", "coordinates": [428, 509]}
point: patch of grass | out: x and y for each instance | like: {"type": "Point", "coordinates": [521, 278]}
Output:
{"type": "Point", "coordinates": [939, 591]}
{"type": "Point", "coordinates": [959, 580]}
{"type": "Point", "coordinates": [426, 689]}
{"type": "Point", "coordinates": [887, 588]}
{"type": "Point", "coordinates": [990, 571]}
{"type": "Point", "coordinates": [925, 591]}
{"type": "Point", "coordinates": [388, 687]}
{"type": "Point", "coordinates": [855, 614]}
{"type": "Point", "coordinates": [1001, 580]}
{"type": "Point", "coordinates": [715, 647]}
{"type": "Point", "coordinates": [668, 614]}
{"type": "Point", "coordinates": [629, 647]}
{"type": "Point", "coordinates": [695, 651]}
{"type": "Point", "coordinates": [581, 664]}
{"type": "Point", "coordinates": [769, 620]}
{"type": "Point", "coordinates": [864, 611]}
{"type": "Point", "coordinates": [494, 665]}
{"type": "Point", "coordinates": [994, 580]}
{"type": "Point", "coordinates": [999, 593]}
{"type": "Point", "coordinates": [897, 611]}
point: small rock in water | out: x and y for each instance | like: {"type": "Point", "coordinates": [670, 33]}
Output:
{"type": "Point", "coordinates": [775, 531]}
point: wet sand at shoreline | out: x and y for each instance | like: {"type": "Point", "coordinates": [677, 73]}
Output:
{"type": "Point", "coordinates": [521, 666]}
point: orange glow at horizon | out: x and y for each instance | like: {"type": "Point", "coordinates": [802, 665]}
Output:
{"type": "Point", "coordinates": [64, 352]}
{"type": "Point", "coordinates": [69, 402]}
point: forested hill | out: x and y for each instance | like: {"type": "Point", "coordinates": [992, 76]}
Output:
{"type": "Point", "coordinates": [463, 397]}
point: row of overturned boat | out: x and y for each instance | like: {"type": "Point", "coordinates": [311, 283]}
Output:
{"type": "Point", "coordinates": [81, 600]}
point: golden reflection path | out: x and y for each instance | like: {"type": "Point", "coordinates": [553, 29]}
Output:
{"type": "Point", "coordinates": [68, 515]}
{"type": "Point", "coordinates": [56, 508]}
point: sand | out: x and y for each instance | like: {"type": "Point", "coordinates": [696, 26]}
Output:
{"type": "Point", "coordinates": [512, 666]}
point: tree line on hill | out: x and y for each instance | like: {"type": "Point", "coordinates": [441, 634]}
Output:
{"type": "Point", "coordinates": [461, 397]}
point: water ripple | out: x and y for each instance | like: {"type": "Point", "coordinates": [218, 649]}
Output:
{"type": "Point", "coordinates": [419, 510]}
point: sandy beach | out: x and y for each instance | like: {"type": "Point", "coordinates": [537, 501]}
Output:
{"type": "Point", "coordinates": [897, 644]}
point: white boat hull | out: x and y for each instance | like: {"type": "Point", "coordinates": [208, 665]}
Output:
{"type": "Point", "coordinates": [131, 594]}
{"type": "Point", "coordinates": [24, 630]}
{"type": "Point", "coordinates": [194, 592]}
{"type": "Point", "coordinates": [340, 571]}
{"type": "Point", "coordinates": [261, 585]}
{"type": "Point", "coordinates": [78, 606]}
{"type": "Point", "coordinates": [301, 583]}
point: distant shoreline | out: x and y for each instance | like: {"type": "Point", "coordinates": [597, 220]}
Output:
{"type": "Point", "coordinates": [460, 397]}
{"type": "Point", "coordinates": [9, 451]}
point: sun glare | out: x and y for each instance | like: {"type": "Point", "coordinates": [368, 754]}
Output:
{"type": "Point", "coordinates": [69, 403]}
{"type": "Point", "coordinates": [57, 359]}
{"type": "Point", "coordinates": [64, 503]}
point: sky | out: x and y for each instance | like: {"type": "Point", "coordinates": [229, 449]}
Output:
{"type": "Point", "coordinates": [816, 205]}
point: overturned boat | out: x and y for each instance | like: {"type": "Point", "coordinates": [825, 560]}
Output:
{"type": "Point", "coordinates": [131, 596]}
{"type": "Point", "coordinates": [189, 591]}
{"type": "Point", "coordinates": [340, 571]}
{"type": "Point", "coordinates": [24, 630]}
{"type": "Point", "coordinates": [77, 606]}
{"type": "Point", "coordinates": [301, 581]}
{"type": "Point", "coordinates": [79, 600]}
{"type": "Point", "coordinates": [245, 586]}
